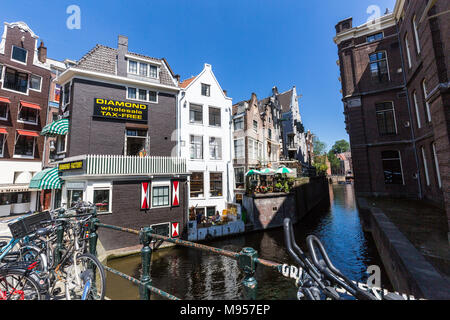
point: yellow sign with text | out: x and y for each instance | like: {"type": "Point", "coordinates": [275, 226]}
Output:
{"type": "Point", "coordinates": [120, 110]}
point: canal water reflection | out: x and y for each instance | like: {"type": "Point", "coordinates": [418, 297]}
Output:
{"type": "Point", "coordinates": [196, 275]}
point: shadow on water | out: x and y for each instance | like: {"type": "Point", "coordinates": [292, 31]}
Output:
{"type": "Point", "coordinates": [197, 275]}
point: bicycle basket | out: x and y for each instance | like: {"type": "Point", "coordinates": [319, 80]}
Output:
{"type": "Point", "coordinates": [27, 225]}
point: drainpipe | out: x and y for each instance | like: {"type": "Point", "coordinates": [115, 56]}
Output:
{"type": "Point", "coordinates": [408, 103]}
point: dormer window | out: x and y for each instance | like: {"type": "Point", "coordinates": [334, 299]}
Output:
{"type": "Point", "coordinates": [142, 69]}
{"type": "Point", "coordinates": [206, 90]}
{"type": "Point", "coordinates": [19, 54]}
{"type": "Point", "coordinates": [132, 67]}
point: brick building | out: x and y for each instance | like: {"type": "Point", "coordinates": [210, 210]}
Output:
{"type": "Point", "coordinates": [24, 84]}
{"type": "Point", "coordinates": [395, 87]}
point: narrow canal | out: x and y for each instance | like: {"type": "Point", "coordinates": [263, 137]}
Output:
{"type": "Point", "coordinates": [196, 275]}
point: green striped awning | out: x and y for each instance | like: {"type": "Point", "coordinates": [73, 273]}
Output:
{"type": "Point", "coordinates": [46, 180]}
{"type": "Point", "coordinates": [57, 128]}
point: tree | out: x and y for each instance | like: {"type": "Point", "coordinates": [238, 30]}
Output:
{"type": "Point", "coordinates": [319, 146]}
{"type": "Point", "coordinates": [334, 162]}
{"type": "Point", "coordinates": [321, 165]}
{"type": "Point", "coordinates": [340, 147]}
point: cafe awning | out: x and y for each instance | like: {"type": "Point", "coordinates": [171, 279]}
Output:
{"type": "Point", "coordinates": [3, 131]}
{"type": "Point", "coordinates": [28, 133]}
{"type": "Point", "coordinates": [5, 100]}
{"type": "Point", "coordinates": [56, 128]}
{"type": "Point", "coordinates": [30, 105]}
{"type": "Point", "coordinates": [47, 179]}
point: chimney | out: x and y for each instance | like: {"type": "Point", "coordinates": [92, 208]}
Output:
{"type": "Point", "coordinates": [122, 50]}
{"type": "Point", "coordinates": [225, 92]}
{"type": "Point", "coordinates": [42, 53]}
{"type": "Point", "coordinates": [275, 90]}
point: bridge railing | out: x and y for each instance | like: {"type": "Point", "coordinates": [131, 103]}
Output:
{"type": "Point", "coordinates": [247, 259]}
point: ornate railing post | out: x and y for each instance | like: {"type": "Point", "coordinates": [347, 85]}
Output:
{"type": "Point", "coordinates": [247, 264]}
{"type": "Point", "coordinates": [146, 255]}
{"type": "Point", "coordinates": [59, 239]}
{"type": "Point", "coordinates": [93, 236]}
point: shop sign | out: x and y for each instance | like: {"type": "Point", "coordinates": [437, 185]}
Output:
{"type": "Point", "coordinates": [175, 230]}
{"type": "Point", "coordinates": [74, 165]}
{"type": "Point", "coordinates": [120, 110]}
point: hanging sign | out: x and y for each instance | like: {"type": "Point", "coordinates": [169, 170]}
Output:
{"type": "Point", "coordinates": [120, 110]}
{"type": "Point", "coordinates": [175, 193]}
{"type": "Point", "coordinates": [145, 195]}
{"type": "Point", "coordinates": [175, 230]}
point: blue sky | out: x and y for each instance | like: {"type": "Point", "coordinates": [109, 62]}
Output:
{"type": "Point", "coordinates": [252, 45]}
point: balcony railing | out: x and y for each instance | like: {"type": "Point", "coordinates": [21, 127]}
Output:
{"type": "Point", "coordinates": [96, 165]}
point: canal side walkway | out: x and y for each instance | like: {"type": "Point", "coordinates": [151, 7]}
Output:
{"type": "Point", "coordinates": [411, 238]}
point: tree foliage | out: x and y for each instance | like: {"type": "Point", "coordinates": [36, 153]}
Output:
{"type": "Point", "coordinates": [340, 147]}
{"type": "Point", "coordinates": [319, 146]}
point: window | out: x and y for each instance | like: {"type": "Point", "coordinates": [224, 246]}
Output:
{"type": "Point", "coordinates": [426, 104]}
{"type": "Point", "coordinates": [35, 82]}
{"type": "Point", "coordinates": [1, 72]}
{"type": "Point", "coordinates": [15, 197]}
{"type": "Point", "coordinates": [416, 35]}
{"type": "Point", "coordinates": [425, 167]}
{"type": "Point", "coordinates": [143, 95]}
{"type": "Point", "coordinates": [378, 66]}
{"type": "Point", "coordinates": [73, 196]}
{"type": "Point", "coordinates": [160, 196]}
{"type": "Point", "coordinates": [408, 52]}
{"type": "Point", "coordinates": [239, 177]}
{"type": "Point", "coordinates": [255, 125]}
{"type": "Point", "coordinates": [153, 96]}
{"type": "Point", "coordinates": [195, 113]}
{"type": "Point", "coordinates": [15, 80]}
{"type": "Point", "coordinates": [215, 184]}
{"type": "Point", "coordinates": [196, 147]}
{"type": "Point", "coordinates": [270, 134]}
{"type": "Point", "coordinates": [239, 149]}
{"type": "Point", "coordinates": [154, 72]}
{"type": "Point", "coordinates": [2, 144]}
{"type": "Point", "coordinates": [29, 115]}
{"type": "Point", "coordinates": [3, 111]}
{"type": "Point", "coordinates": [214, 117]}
{"type": "Point", "coordinates": [162, 229]}
{"type": "Point", "coordinates": [436, 165]}
{"type": "Point", "coordinates": [66, 94]}
{"type": "Point", "coordinates": [419, 125]}
{"type": "Point", "coordinates": [197, 185]}
{"type": "Point", "coordinates": [136, 143]}
{"type": "Point", "coordinates": [61, 144]}
{"type": "Point", "coordinates": [210, 212]}
{"type": "Point", "coordinates": [375, 37]}
{"type": "Point", "coordinates": [101, 200]}
{"type": "Point", "coordinates": [252, 149]}
{"type": "Point", "coordinates": [392, 167]}
{"type": "Point", "coordinates": [131, 93]}
{"type": "Point", "coordinates": [143, 69]}
{"type": "Point", "coordinates": [132, 67]}
{"type": "Point", "coordinates": [24, 146]}
{"type": "Point", "coordinates": [19, 54]}
{"type": "Point", "coordinates": [385, 118]}
{"type": "Point", "coordinates": [215, 148]}
{"type": "Point", "coordinates": [206, 90]}
{"type": "Point", "coordinates": [239, 123]}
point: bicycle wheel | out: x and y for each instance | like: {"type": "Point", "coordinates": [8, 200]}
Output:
{"type": "Point", "coordinates": [17, 285]}
{"type": "Point", "coordinates": [85, 279]}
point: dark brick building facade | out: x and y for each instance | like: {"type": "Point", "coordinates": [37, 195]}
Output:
{"type": "Point", "coordinates": [395, 91]}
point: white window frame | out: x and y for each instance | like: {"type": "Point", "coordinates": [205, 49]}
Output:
{"type": "Point", "coordinates": [27, 122]}
{"type": "Point", "coordinates": [436, 163]}
{"type": "Point", "coordinates": [235, 181]}
{"type": "Point", "coordinates": [63, 95]}
{"type": "Point", "coordinates": [59, 143]}
{"type": "Point", "coordinates": [220, 148]}
{"type": "Point", "coordinates": [408, 51]}
{"type": "Point", "coordinates": [110, 198]}
{"type": "Point", "coordinates": [203, 147]}
{"type": "Point", "coordinates": [209, 90]}
{"type": "Point", "coordinates": [22, 156]}
{"type": "Point", "coordinates": [204, 189]}
{"type": "Point", "coordinates": [425, 166]}
{"type": "Point", "coordinates": [2, 70]}
{"type": "Point", "coordinates": [11, 90]}
{"type": "Point", "coordinates": [243, 124]}
{"type": "Point", "coordinates": [5, 135]}
{"type": "Point", "coordinates": [138, 69]}
{"type": "Point", "coordinates": [7, 111]}
{"type": "Point", "coordinates": [243, 149]}
{"type": "Point", "coordinates": [425, 97]}
{"type": "Point", "coordinates": [416, 105]}
{"type": "Point", "coordinates": [18, 61]}
{"type": "Point", "coordinates": [220, 117]}
{"type": "Point", "coordinates": [203, 113]}
{"type": "Point", "coordinates": [40, 83]}
{"type": "Point", "coordinates": [209, 187]}
{"type": "Point", "coordinates": [416, 35]}
{"type": "Point", "coordinates": [156, 184]}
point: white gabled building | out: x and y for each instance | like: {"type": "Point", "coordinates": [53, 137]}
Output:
{"type": "Point", "coordinates": [205, 135]}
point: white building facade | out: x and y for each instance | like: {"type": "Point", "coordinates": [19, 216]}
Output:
{"type": "Point", "coordinates": [205, 137]}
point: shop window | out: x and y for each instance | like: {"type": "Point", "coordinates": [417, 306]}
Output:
{"type": "Point", "coordinates": [15, 80]}
{"type": "Point", "coordinates": [215, 184]}
{"type": "Point", "coordinates": [15, 198]}
{"type": "Point", "coordinates": [195, 113]}
{"type": "Point", "coordinates": [35, 82]}
{"type": "Point", "coordinates": [196, 148]}
{"type": "Point", "coordinates": [73, 196]}
{"type": "Point", "coordinates": [160, 196]}
{"type": "Point", "coordinates": [102, 200]}
{"type": "Point", "coordinates": [239, 174]}
{"type": "Point", "coordinates": [215, 148]}
{"type": "Point", "coordinates": [210, 212]}
{"type": "Point", "coordinates": [197, 185]}
{"type": "Point", "coordinates": [24, 146]}
{"type": "Point", "coordinates": [19, 54]}
{"type": "Point", "coordinates": [378, 66]}
{"type": "Point", "coordinates": [238, 123]}
{"type": "Point", "coordinates": [206, 90]}
{"type": "Point", "coordinates": [29, 115]}
{"type": "Point", "coordinates": [137, 143]}
{"type": "Point", "coordinates": [385, 118]}
{"type": "Point", "coordinates": [214, 117]}
{"type": "Point", "coordinates": [392, 167]}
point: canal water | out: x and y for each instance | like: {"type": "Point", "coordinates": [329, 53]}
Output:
{"type": "Point", "coordinates": [196, 275]}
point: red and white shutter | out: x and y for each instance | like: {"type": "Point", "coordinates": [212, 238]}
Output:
{"type": "Point", "coordinates": [145, 195]}
{"type": "Point", "coordinates": [175, 193]}
{"type": "Point", "coordinates": [175, 230]}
